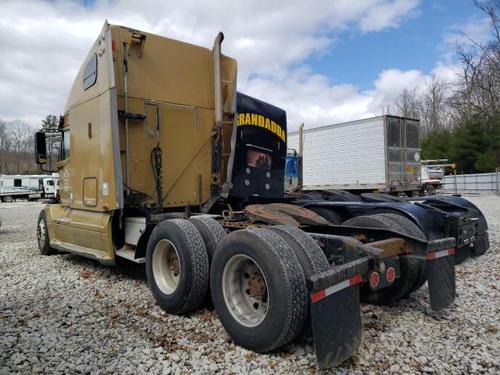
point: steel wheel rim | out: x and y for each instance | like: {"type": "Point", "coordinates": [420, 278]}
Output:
{"type": "Point", "coordinates": [240, 276]}
{"type": "Point", "coordinates": [41, 233]}
{"type": "Point", "coordinates": [166, 266]}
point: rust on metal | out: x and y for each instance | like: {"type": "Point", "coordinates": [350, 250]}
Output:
{"type": "Point", "coordinates": [241, 224]}
{"type": "Point", "coordinates": [175, 266]}
{"type": "Point", "coordinates": [391, 247]}
{"type": "Point", "coordinates": [283, 213]}
{"type": "Point", "coordinates": [360, 237]}
{"type": "Point", "coordinates": [257, 286]}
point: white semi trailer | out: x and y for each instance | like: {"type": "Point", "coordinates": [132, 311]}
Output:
{"type": "Point", "coordinates": [29, 187]}
{"type": "Point", "coordinates": [379, 154]}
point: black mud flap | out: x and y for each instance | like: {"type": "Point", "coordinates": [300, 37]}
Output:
{"type": "Point", "coordinates": [481, 244]}
{"type": "Point", "coordinates": [335, 312]}
{"type": "Point", "coordinates": [441, 277]}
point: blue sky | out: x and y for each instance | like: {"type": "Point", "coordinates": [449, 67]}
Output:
{"type": "Point", "coordinates": [357, 58]}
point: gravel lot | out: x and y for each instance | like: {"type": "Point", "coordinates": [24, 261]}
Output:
{"type": "Point", "coordinates": [65, 314]}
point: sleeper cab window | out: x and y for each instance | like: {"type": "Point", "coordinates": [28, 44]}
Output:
{"type": "Point", "coordinates": [90, 72]}
{"type": "Point", "coordinates": [65, 144]}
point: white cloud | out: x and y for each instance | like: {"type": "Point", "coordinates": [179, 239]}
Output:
{"type": "Point", "coordinates": [43, 43]}
{"type": "Point", "coordinates": [476, 30]}
{"type": "Point", "coordinates": [310, 98]}
{"type": "Point", "coordinates": [387, 14]}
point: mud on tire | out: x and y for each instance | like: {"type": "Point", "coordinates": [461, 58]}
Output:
{"type": "Point", "coordinates": [280, 307]}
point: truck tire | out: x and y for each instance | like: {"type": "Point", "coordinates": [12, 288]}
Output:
{"type": "Point", "coordinates": [258, 289]}
{"type": "Point", "coordinates": [211, 232]}
{"type": "Point", "coordinates": [311, 257]}
{"type": "Point", "coordinates": [7, 199]}
{"type": "Point", "coordinates": [42, 235]}
{"type": "Point", "coordinates": [328, 214]}
{"type": "Point", "coordinates": [409, 267]}
{"type": "Point", "coordinates": [177, 266]}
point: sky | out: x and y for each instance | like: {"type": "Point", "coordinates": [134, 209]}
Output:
{"type": "Point", "coordinates": [323, 61]}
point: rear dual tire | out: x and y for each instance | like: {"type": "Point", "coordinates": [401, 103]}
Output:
{"type": "Point", "coordinates": [212, 233]}
{"type": "Point", "coordinates": [257, 277]}
{"type": "Point", "coordinates": [259, 289]}
{"type": "Point", "coordinates": [177, 266]}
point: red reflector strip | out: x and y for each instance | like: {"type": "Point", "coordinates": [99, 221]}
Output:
{"type": "Point", "coordinates": [356, 279]}
{"type": "Point", "coordinates": [113, 46]}
{"type": "Point", "coordinates": [440, 254]}
{"type": "Point", "coordinates": [320, 294]}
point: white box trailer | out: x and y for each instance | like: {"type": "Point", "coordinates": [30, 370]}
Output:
{"type": "Point", "coordinates": [374, 154]}
{"type": "Point", "coordinates": [27, 187]}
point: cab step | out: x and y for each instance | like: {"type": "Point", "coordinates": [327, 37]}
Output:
{"type": "Point", "coordinates": [130, 255]}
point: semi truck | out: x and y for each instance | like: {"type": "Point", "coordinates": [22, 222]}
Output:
{"type": "Point", "coordinates": [378, 154]}
{"type": "Point", "coordinates": [29, 187]}
{"type": "Point", "coordinates": [163, 162]}
{"type": "Point", "coordinates": [432, 174]}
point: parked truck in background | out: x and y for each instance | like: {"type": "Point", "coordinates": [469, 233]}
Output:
{"type": "Point", "coordinates": [378, 154]}
{"type": "Point", "coordinates": [163, 162]}
{"type": "Point", "coordinates": [432, 174]}
{"type": "Point", "coordinates": [29, 187]}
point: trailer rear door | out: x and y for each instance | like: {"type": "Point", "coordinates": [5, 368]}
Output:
{"type": "Point", "coordinates": [403, 153]}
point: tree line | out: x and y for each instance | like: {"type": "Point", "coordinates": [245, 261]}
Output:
{"type": "Point", "coordinates": [17, 145]}
{"type": "Point", "coordinates": [460, 119]}
{"type": "Point", "coordinates": [16, 148]}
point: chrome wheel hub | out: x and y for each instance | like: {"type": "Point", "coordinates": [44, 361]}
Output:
{"type": "Point", "coordinates": [166, 266]}
{"type": "Point", "coordinates": [245, 290]}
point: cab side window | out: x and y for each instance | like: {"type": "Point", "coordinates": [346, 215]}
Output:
{"type": "Point", "coordinates": [90, 73]}
{"type": "Point", "coordinates": [65, 149]}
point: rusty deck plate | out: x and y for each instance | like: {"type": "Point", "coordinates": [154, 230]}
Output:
{"type": "Point", "coordinates": [283, 213]}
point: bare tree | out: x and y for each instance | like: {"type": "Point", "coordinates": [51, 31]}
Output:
{"type": "Point", "coordinates": [478, 90]}
{"type": "Point", "coordinates": [19, 131]}
{"type": "Point", "coordinates": [16, 147]}
{"type": "Point", "coordinates": [4, 146]}
{"type": "Point", "coordinates": [434, 112]}
{"type": "Point", "coordinates": [408, 103]}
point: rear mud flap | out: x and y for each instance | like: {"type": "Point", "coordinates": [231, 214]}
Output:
{"type": "Point", "coordinates": [441, 278]}
{"type": "Point", "coordinates": [336, 313]}
{"type": "Point", "coordinates": [477, 248]}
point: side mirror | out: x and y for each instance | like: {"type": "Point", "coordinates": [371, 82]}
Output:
{"type": "Point", "coordinates": [40, 148]}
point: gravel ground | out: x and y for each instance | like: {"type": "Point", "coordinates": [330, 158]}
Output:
{"type": "Point", "coordinates": [65, 314]}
